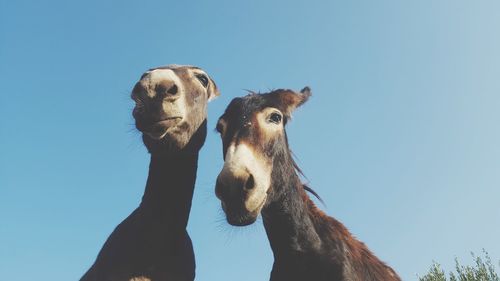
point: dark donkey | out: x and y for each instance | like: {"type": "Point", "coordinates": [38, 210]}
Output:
{"type": "Point", "coordinates": [152, 243]}
{"type": "Point", "coordinates": [260, 175]}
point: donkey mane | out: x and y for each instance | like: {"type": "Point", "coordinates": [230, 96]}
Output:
{"type": "Point", "coordinates": [299, 171]}
{"type": "Point", "coordinates": [304, 186]}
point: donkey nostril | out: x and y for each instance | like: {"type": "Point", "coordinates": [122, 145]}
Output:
{"type": "Point", "coordinates": [250, 184]}
{"type": "Point", "coordinates": [173, 90]}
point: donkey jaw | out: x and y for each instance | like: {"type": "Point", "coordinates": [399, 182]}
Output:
{"type": "Point", "coordinates": [160, 129]}
{"type": "Point", "coordinates": [239, 217]}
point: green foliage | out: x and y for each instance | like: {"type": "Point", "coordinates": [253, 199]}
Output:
{"type": "Point", "coordinates": [483, 270]}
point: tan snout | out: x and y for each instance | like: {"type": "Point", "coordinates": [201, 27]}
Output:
{"type": "Point", "coordinates": [159, 105]}
{"type": "Point", "coordinates": [234, 185]}
{"type": "Point", "coordinates": [234, 190]}
{"type": "Point", "coordinates": [167, 90]}
{"type": "Point", "coordinates": [243, 183]}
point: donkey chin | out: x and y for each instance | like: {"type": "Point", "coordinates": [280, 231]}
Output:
{"type": "Point", "coordinates": [243, 213]}
{"type": "Point", "coordinates": [239, 216]}
{"type": "Point", "coordinates": [173, 138]}
{"type": "Point", "coordinates": [160, 129]}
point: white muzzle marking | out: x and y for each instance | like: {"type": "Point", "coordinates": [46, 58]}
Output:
{"type": "Point", "coordinates": [241, 161]}
{"type": "Point", "coordinates": [179, 105]}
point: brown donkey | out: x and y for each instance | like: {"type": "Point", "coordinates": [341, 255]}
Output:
{"type": "Point", "coordinates": [260, 176]}
{"type": "Point", "coordinates": [152, 243]}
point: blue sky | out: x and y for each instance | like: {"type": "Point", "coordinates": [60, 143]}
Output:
{"type": "Point", "coordinates": [401, 137]}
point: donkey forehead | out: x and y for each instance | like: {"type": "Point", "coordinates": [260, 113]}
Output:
{"type": "Point", "coordinates": [175, 67]}
{"type": "Point", "coordinates": [243, 109]}
{"type": "Point", "coordinates": [172, 71]}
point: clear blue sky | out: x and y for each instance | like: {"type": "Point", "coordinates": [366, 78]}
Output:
{"type": "Point", "coordinates": [401, 137]}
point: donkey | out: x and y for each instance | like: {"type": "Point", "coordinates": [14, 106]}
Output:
{"type": "Point", "coordinates": [152, 243]}
{"type": "Point", "coordinates": [260, 176]}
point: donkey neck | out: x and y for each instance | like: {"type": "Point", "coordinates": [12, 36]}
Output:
{"type": "Point", "coordinates": [289, 227]}
{"type": "Point", "coordinates": [169, 188]}
{"type": "Point", "coordinates": [308, 245]}
{"type": "Point", "coordinates": [301, 251]}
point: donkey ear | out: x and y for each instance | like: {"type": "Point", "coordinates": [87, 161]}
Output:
{"type": "Point", "coordinates": [291, 100]}
{"type": "Point", "coordinates": [213, 91]}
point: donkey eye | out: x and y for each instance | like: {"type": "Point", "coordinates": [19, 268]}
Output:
{"type": "Point", "coordinates": [203, 79]}
{"type": "Point", "coordinates": [275, 118]}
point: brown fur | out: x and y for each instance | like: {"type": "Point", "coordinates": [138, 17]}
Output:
{"type": "Point", "coordinates": [361, 259]}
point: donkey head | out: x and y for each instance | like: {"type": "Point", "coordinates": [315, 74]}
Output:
{"type": "Point", "coordinates": [257, 160]}
{"type": "Point", "coordinates": [171, 107]}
